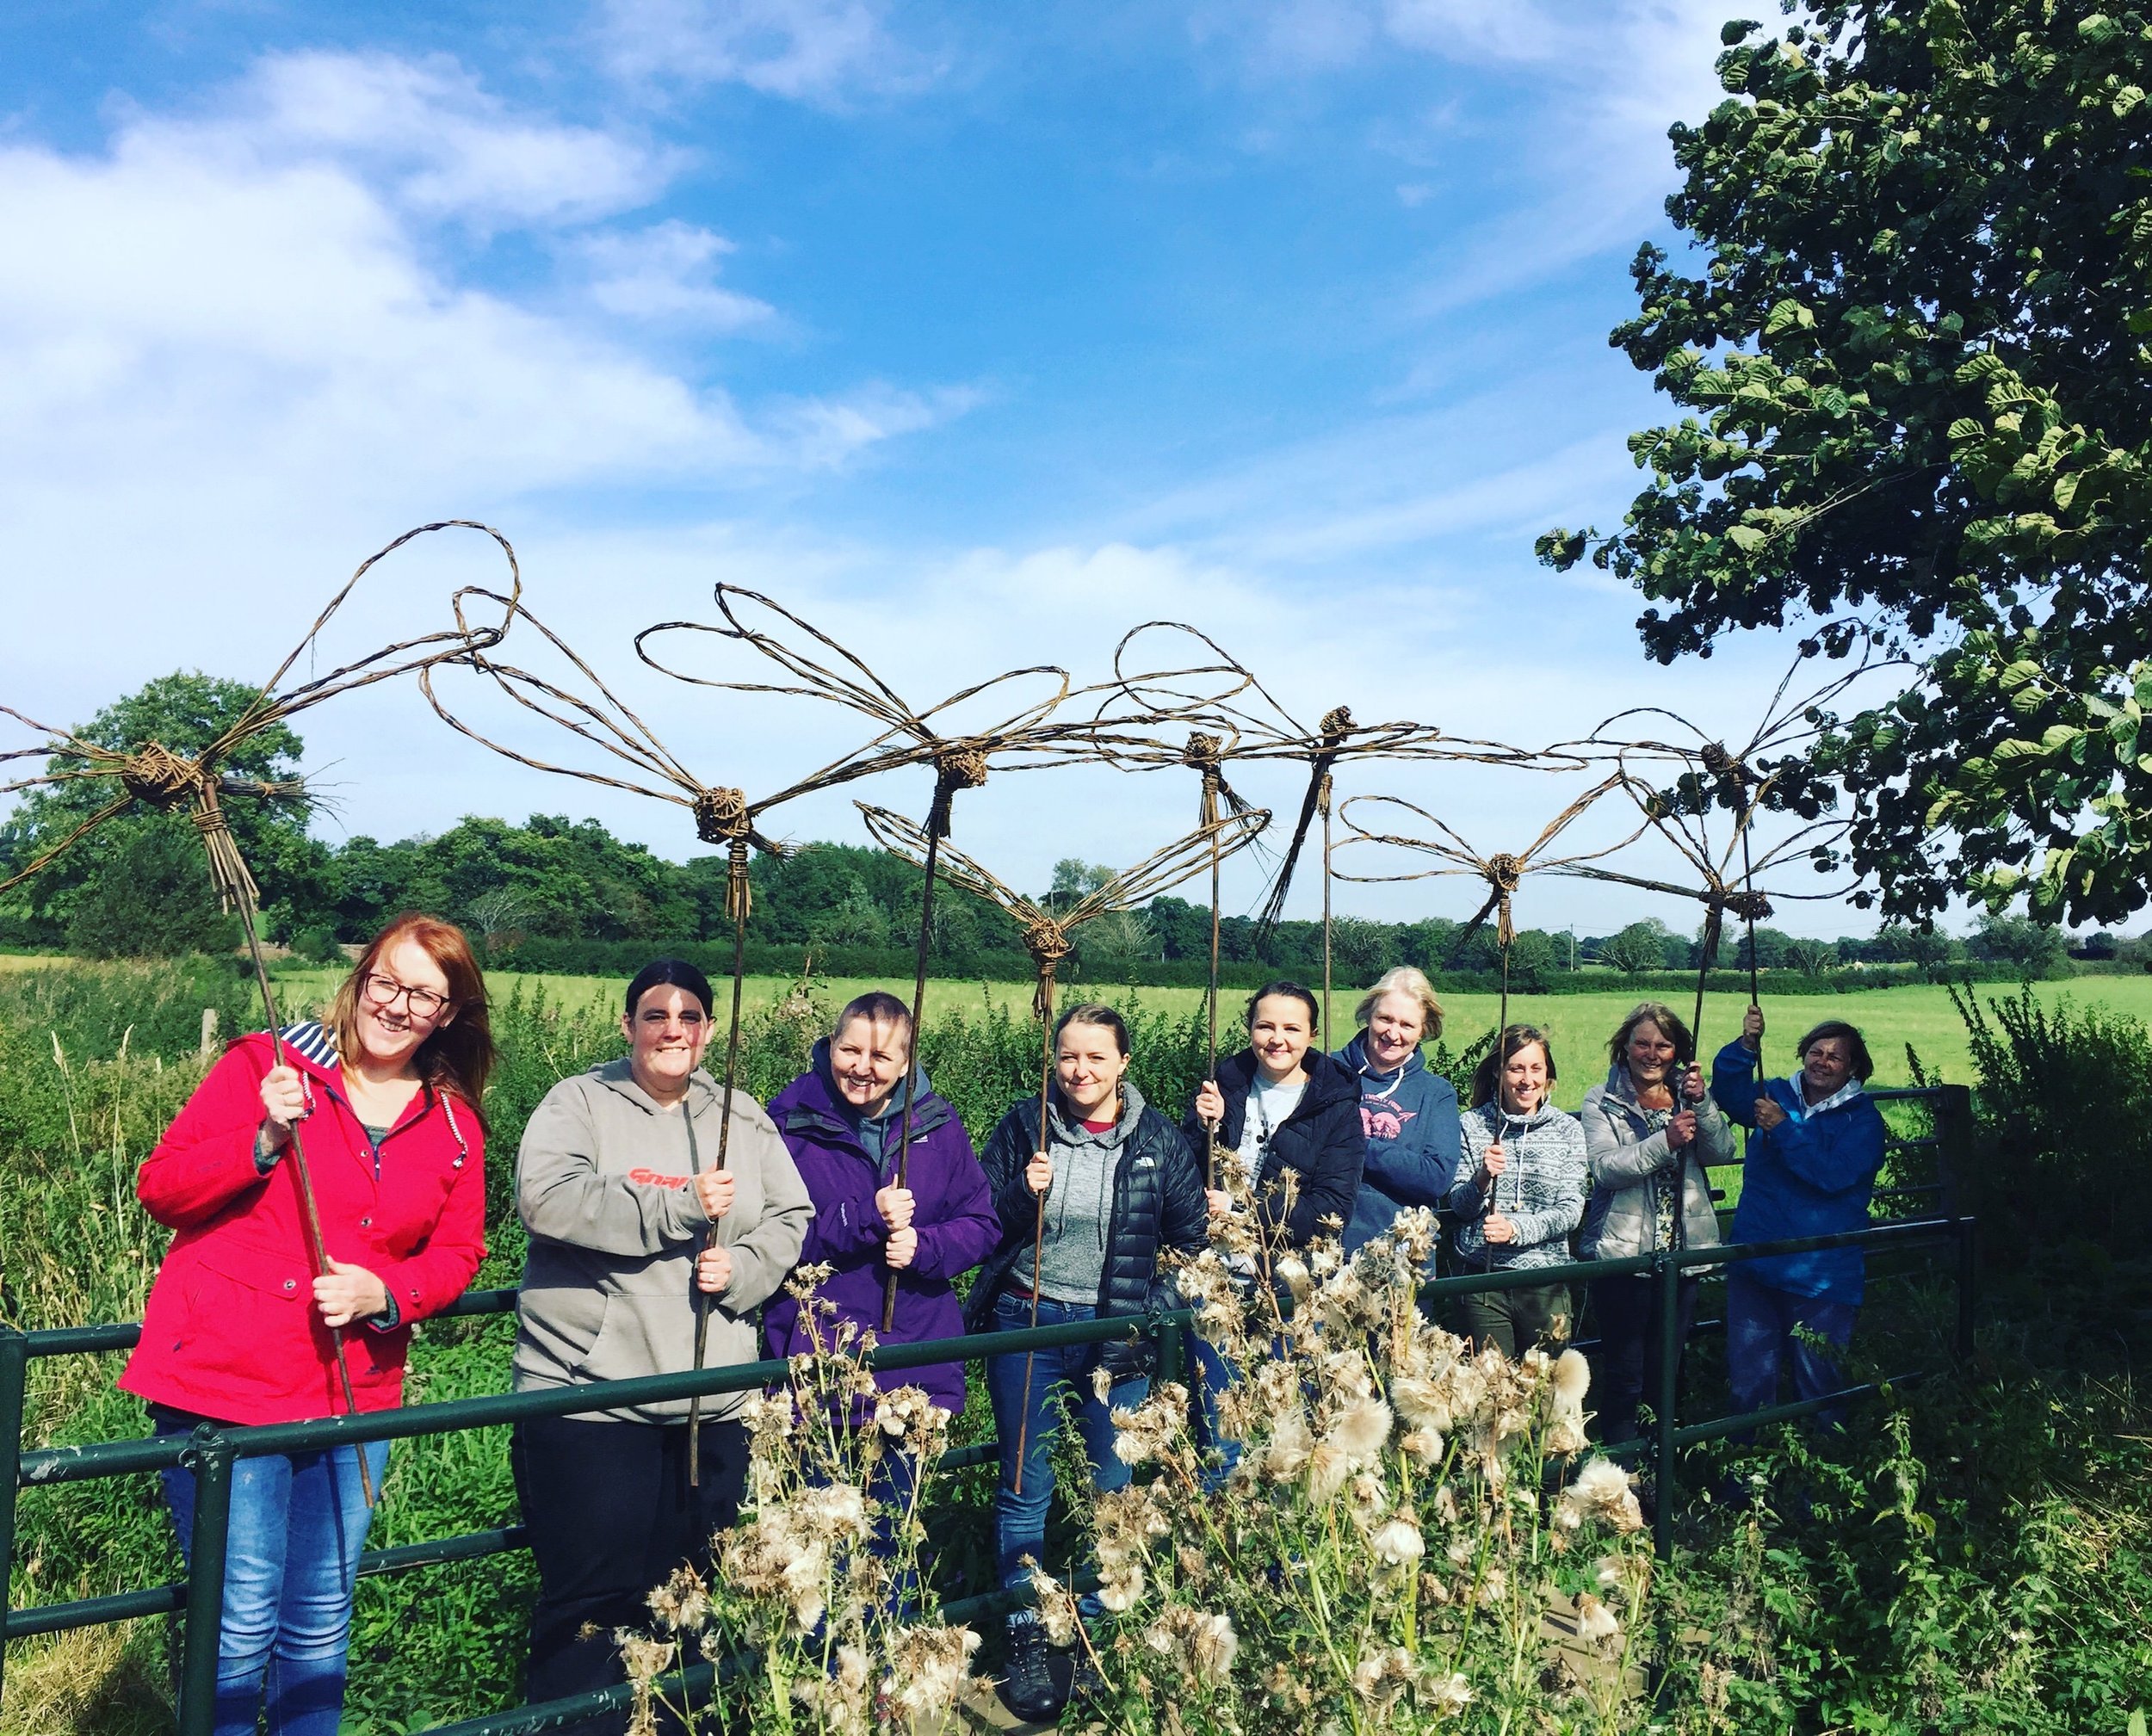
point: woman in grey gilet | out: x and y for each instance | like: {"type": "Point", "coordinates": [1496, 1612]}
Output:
{"type": "Point", "coordinates": [1651, 1132]}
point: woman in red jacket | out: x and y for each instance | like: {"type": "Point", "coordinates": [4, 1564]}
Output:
{"type": "Point", "coordinates": [240, 1325]}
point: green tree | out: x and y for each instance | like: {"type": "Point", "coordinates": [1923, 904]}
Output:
{"type": "Point", "coordinates": [1642, 946]}
{"type": "Point", "coordinates": [1914, 352]}
{"type": "Point", "coordinates": [94, 895]}
{"type": "Point", "coordinates": [2036, 949]}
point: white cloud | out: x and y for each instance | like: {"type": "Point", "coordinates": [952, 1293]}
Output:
{"type": "Point", "coordinates": [826, 432]}
{"type": "Point", "coordinates": [825, 52]}
{"type": "Point", "coordinates": [425, 131]}
{"type": "Point", "coordinates": [665, 273]}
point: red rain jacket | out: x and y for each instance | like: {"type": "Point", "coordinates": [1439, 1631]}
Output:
{"type": "Point", "coordinates": [231, 1332]}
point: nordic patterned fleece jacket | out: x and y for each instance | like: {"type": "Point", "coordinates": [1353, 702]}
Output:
{"type": "Point", "coordinates": [1321, 1141]}
{"type": "Point", "coordinates": [602, 1183]}
{"type": "Point", "coordinates": [1812, 1175]}
{"type": "Point", "coordinates": [1157, 1204]}
{"type": "Point", "coordinates": [1633, 1166]}
{"type": "Point", "coordinates": [1409, 1119]}
{"type": "Point", "coordinates": [952, 1209]}
{"type": "Point", "coordinates": [1541, 1191]}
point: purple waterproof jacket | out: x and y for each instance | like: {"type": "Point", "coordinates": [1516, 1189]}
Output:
{"type": "Point", "coordinates": [952, 1210]}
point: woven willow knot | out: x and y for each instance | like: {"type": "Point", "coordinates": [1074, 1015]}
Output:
{"type": "Point", "coordinates": [1725, 769]}
{"type": "Point", "coordinates": [1202, 751]}
{"type": "Point", "coordinates": [721, 816]}
{"type": "Point", "coordinates": [1322, 796]}
{"type": "Point", "coordinates": [1336, 720]}
{"type": "Point", "coordinates": [740, 897]}
{"type": "Point", "coordinates": [1503, 873]}
{"type": "Point", "coordinates": [160, 777]}
{"type": "Point", "coordinates": [1048, 943]}
{"type": "Point", "coordinates": [954, 769]}
{"type": "Point", "coordinates": [961, 768]}
{"type": "Point", "coordinates": [1749, 905]}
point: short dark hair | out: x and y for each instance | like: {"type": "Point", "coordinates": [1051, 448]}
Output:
{"type": "Point", "coordinates": [877, 1007]}
{"type": "Point", "coordinates": [672, 972]}
{"type": "Point", "coordinates": [1671, 1026]}
{"type": "Point", "coordinates": [1864, 1068]}
{"type": "Point", "coordinates": [1094, 1013]}
{"type": "Point", "coordinates": [1291, 990]}
{"type": "Point", "coordinates": [1487, 1077]}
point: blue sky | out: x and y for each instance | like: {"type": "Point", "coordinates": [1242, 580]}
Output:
{"type": "Point", "coordinates": [975, 333]}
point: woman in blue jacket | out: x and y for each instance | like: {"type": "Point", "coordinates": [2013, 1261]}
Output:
{"type": "Point", "coordinates": [1816, 1144]}
{"type": "Point", "coordinates": [1408, 1112]}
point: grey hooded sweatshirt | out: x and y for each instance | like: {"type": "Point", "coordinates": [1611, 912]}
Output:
{"type": "Point", "coordinates": [602, 1183]}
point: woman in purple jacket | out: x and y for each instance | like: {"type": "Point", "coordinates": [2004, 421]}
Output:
{"type": "Point", "coordinates": [842, 1121]}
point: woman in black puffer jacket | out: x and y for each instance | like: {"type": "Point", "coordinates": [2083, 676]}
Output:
{"type": "Point", "coordinates": [1120, 1187]}
{"type": "Point", "coordinates": [1293, 1114]}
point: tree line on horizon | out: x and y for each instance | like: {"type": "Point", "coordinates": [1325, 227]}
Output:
{"type": "Point", "coordinates": [539, 890]}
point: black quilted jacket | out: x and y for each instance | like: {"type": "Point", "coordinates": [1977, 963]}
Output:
{"type": "Point", "coordinates": [1158, 1204]}
{"type": "Point", "coordinates": [1322, 1140]}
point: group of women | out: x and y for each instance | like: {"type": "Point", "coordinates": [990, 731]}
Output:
{"type": "Point", "coordinates": [664, 1220]}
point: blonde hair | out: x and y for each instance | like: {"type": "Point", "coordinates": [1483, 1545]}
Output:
{"type": "Point", "coordinates": [1405, 979]}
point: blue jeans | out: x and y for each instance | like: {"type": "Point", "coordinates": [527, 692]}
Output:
{"type": "Point", "coordinates": [299, 1522]}
{"type": "Point", "coordinates": [1213, 1374]}
{"type": "Point", "coordinates": [1020, 1519]}
{"type": "Point", "coordinates": [1759, 1332]}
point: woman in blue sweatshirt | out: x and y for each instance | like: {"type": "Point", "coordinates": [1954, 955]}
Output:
{"type": "Point", "coordinates": [1408, 1112]}
{"type": "Point", "coordinates": [1816, 1144]}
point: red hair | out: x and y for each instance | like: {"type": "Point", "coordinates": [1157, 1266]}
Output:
{"type": "Point", "coordinates": [457, 1054]}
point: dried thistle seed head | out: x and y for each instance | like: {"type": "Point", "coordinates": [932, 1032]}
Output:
{"type": "Point", "coordinates": [1600, 1493]}
{"type": "Point", "coordinates": [1056, 1604]}
{"type": "Point", "coordinates": [1595, 1622]}
{"type": "Point", "coordinates": [1397, 1539]}
{"type": "Point", "coordinates": [682, 1603]}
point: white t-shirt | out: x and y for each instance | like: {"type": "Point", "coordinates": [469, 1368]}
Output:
{"type": "Point", "coordinates": [1268, 1107]}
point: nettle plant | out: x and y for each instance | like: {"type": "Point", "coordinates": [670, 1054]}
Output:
{"type": "Point", "coordinates": [813, 1629]}
{"type": "Point", "coordinates": [1402, 1517]}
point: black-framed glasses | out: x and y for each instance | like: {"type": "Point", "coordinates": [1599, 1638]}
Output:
{"type": "Point", "coordinates": [382, 991]}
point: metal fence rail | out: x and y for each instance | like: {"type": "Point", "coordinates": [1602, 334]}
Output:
{"type": "Point", "coordinates": [212, 1450]}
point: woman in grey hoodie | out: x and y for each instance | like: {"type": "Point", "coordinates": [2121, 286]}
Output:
{"type": "Point", "coordinates": [1519, 1193]}
{"type": "Point", "coordinates": [616, 1181]}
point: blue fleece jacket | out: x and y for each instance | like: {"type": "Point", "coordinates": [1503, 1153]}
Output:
{"type": "Point", "coordinates": [1410, 1124]}
{"type": "Point", "coordinates": [1812, 1175]}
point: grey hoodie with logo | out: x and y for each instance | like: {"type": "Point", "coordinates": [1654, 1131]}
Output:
{"type": "Point", "coordinates": [602, 1183]}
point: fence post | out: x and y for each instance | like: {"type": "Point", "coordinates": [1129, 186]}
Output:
{"type": "Point", "coordinates": [14, 1373]}
{"type": "Point", "coordinates": [210, 1458]}
{"type": "Point", "coordinates": [1953, 1145]}
{"type": "Point", "coordinates": [1667, 1275]}
{"type": "Point", "coordinates": [1968, 1283]}
{"type": "Point", "coordinates": [1172, 1338]}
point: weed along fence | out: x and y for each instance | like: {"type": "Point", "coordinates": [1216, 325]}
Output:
{"type": "Point", "coordinates": [211, 1453]}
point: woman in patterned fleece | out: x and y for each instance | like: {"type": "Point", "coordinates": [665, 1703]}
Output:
{"type": "Point", "coordinates": [1519, 1192]}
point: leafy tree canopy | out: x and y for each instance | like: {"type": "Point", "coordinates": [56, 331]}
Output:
{"type": "Point", "coordinates": [143, 874]}
{"type": "Point", "coordinates": [1915, 355]}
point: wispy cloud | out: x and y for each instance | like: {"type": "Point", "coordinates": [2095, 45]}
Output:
{"type": "Point", "coordinates": [668, 273]}
{"type": "Point", "coordinates": [823, 52]}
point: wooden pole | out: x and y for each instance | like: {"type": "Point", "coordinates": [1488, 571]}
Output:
{"type": "Point", "coordinates": [738, 897]}
{"type": "Point", "coordinates": [1038, 1225]}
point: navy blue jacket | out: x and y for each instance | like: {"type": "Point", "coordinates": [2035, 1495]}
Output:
{"type": "Point", "coordinates": [1410, 1124]}
{"type": "Point", "coordinates": [1320, 1140]}
{"type": "Point", "coordinates": [1812, 1175]}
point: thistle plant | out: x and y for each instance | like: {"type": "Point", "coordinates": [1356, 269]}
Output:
{"type": "Point", "coordinates": [1402, 1517]}
{"type": "Point", "coordinates": [817, 1615]}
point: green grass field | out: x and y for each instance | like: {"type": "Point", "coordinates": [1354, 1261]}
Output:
{"type": "Point", "coordinates": [1577, 1025]}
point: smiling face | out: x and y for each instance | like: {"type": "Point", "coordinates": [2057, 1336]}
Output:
{"type": "Point", "coordinates": [1524, 1080]}
{"type": "Point", "coordinates": [1089, 1063]}
{"type": "Point", "coordinates": [1394, 1030]}
{"type": "Point", "coordinates": [403, 1000]}
{"type": "Point", "coordinates": [1279, 1031]}
{"type": "Point", "coordinates": [867, 1058]}
{"type": "Point", "coordinates": [1651, 1054]}
{"type": "Point", "coordinates": [1826, 1067]}
{"type": "Point", "coordinates": [666, 1037]}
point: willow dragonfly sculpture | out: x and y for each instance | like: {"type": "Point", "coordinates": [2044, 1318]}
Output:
{"type": "Point", "coordinates": [151, 776]}
{"type": "Point", "coordinates": [1047, 933]}
{"type": "Point", "coordinates": [1501, 872]}
{"type": "Point", "coordinates": [1685, 783]}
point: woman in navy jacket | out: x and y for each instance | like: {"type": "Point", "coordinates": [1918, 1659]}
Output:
{"type": "Point", "coordinates": [1408, 1112]}
{"type": "Point", "coordinates": [1289, 1110]}
{"type": "Point", "coordinates": [1816, 1144]}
